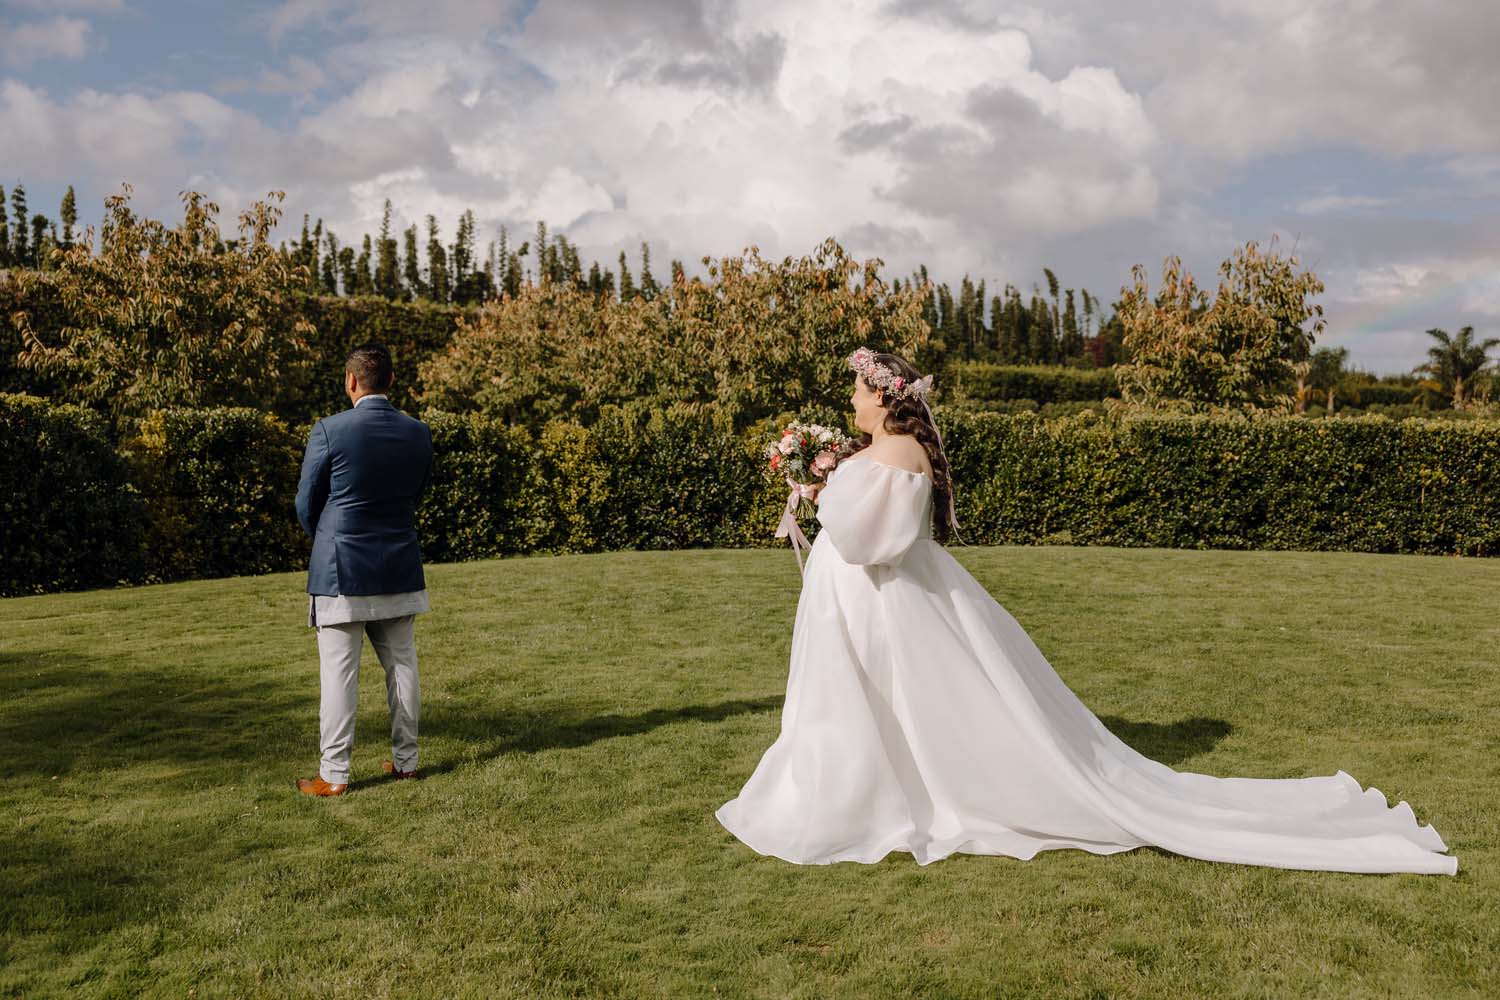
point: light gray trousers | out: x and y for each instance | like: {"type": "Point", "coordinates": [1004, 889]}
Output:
{"type": "Point", "coordinates": [339, 648]}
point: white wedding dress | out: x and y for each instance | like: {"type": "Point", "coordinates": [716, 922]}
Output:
{"type": "Point", "coordinates": [920, 717]}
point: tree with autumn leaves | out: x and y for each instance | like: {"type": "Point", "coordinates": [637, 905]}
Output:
{"type": "Point", "coordinates": [1243, 347]}
{"type": "Point", "coordinates": [752, 339]}
{"type": "Point", "coordinates": [171, 316]}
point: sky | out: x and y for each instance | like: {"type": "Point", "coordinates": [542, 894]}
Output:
{"type": "Point", "coordinates": [977, 137]}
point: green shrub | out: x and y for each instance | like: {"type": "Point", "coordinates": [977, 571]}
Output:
{"type": "Point", "coordinates": [1041, 384]}
{"type": "Point", "coordinates": [677, 478]}
{"type": "Point", "coordinates": [70, 518]}
{"type": "Point", "coordinates": [1364, 484]}
{"type": "Point", "coordinates": [484, 499]}
{"type": "Point", "coordinates": [218, 486]}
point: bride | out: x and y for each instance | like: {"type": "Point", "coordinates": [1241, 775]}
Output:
{"type": "Point", "coordinates": [920, 717]}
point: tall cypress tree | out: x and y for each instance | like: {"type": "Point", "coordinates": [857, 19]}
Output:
{"type": "Point", "coordinates": [627, 283]}
{"type": "Point", "coordinates": [387, 272]}
{"type": "Point", "coordinates": [649, 288]}
{"type": "Point", "coordinates": [1072, 340]}
{"type": "Point", "coordinates": [513, 274]}
{"type": "Point", "coordinates": [69, 215]}
{"type": "Point", "coordinates": [331, 265]}
{"type": "Point", "coordinates": [41, 244]}
{"type": "Point", "coordinates": [997, 344]}
{"type": "Point", "coordinates": [411, 264]}
{"type": "Point", "coordinates": [502, 263]}
{"type": "Point", "coordinates": [314, 264]}
{"type": "Point", "coordinates": [929, 302]}
{"type": "Point", "coordinates": [572, 264]}
{"type": "Point", "coordinates": [364, 279]}
{"type": "Point", "coordinates": [492, 270]}
{"type": "Point", "coordinates": [438, 287]}
{"type": "Point", "coordinates": [464, 276]}
{"type": "Point", "coordinates": [4, 233]}
{"type": "Point", "coordinates": [979, 335]}
{"type": "Point", "coordinates": [303, 256]}
{"type": "Point", "coordinates": [1052, 287]}
{"type": "Point", "coordinates": [1017, 327]}
{"type": "Point", "coordinates": [966, 324]}
{"type": "Point", "coordinates": [20, 251]}
{"type": "Point", "coordinates": [1040, 340]}
{"type": "Point", "coordinates": [346, 271]}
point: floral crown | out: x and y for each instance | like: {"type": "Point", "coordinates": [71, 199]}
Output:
{"type": "Point", "coordinates": [882, 378]}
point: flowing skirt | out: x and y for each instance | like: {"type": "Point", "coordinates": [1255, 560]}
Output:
{"type": "Point", "coordinates": [920, 717]}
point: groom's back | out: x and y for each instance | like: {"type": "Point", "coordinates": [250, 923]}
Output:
{"type": "Point", "coordinates": [365, 471]}
{"type": "Point", "coordinates": [380, 459]}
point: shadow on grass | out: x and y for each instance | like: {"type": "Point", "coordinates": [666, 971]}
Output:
{"type": "Point", "coordinates": [495, 735]}
{"type": "Point", "coordinates": [1169, 743]}
{"type": "Point", "coordinates": [63, 707]}
{"type": "Point", "coordinates": [59, 707]}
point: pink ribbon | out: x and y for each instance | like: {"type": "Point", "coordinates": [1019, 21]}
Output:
{"type": "Point", "coordinates": [788, 527]}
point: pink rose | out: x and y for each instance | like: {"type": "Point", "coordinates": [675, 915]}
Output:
{"type": "Point", "coordinates": [825, 461]}
{"type": "Point", "coordinates": [788, 445]}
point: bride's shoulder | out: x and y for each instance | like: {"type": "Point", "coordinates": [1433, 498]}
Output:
{"type": "Point", "coordinates": [901, 451]}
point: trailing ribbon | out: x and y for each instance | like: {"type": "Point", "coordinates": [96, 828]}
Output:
{"type": "Point", "coordinates": [788, 527]}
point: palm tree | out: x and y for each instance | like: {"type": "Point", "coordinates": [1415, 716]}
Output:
{"type": "Point", "coordinates": [1326, 372]}
{"type": "Point", "coordinates": [1455, 361]}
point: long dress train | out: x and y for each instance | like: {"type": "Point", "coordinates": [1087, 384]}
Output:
{"type": "Point", "coordinates": [920, 717]}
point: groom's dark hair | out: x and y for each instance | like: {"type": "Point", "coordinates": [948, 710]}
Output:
{"type": "Point", "coordinates": [370, 364]}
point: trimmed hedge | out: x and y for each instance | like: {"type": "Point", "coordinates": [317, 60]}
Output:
{"type": "Point", "coordinates": [218, 487]}
{"type": "Point", "coordinates": [1041, 384]}
{"type": "Point", "coordinates": [635, 480]}
{"type": "Point", "coordinates": [1363, 484]}
{"type": "Point", "coordinates": [210, 492]}
{"type": "Point", "coordinates": [69, 518]}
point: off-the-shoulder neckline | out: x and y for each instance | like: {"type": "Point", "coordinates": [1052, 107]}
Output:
{"type": "Point", "coordinates": [887, 465]}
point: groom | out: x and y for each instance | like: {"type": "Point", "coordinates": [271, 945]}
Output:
{"type": "Point", "coordinates": [363, 473]}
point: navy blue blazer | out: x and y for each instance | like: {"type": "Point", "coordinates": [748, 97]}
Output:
{"type": "Point", "coordinates": [363, 473]}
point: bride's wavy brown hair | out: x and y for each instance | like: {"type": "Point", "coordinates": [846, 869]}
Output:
{"type": "Point", "coordinates": [908, 415]}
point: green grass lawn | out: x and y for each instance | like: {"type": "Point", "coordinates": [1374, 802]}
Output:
{"type": "Point", "coordinates": [584, 716]}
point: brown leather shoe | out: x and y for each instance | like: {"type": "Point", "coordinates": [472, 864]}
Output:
{"type": "Point", "coordinates": [317, 786]}
{"type": "Point", "coordinates": [389, 767]}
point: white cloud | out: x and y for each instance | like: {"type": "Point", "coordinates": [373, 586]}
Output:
{"type": "Point", "coordinates": [23, 44]}
{"type": "Point", "coordinates": [1324, 204]}
{"type": "Point", "coordinates": [107, 139]}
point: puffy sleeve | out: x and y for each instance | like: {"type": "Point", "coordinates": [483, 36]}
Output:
{"type": "Point", "coordinates": [873, 513]}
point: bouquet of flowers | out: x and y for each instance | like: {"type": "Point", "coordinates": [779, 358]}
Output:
{"type": "Point", "coordinates": [804, 455]}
